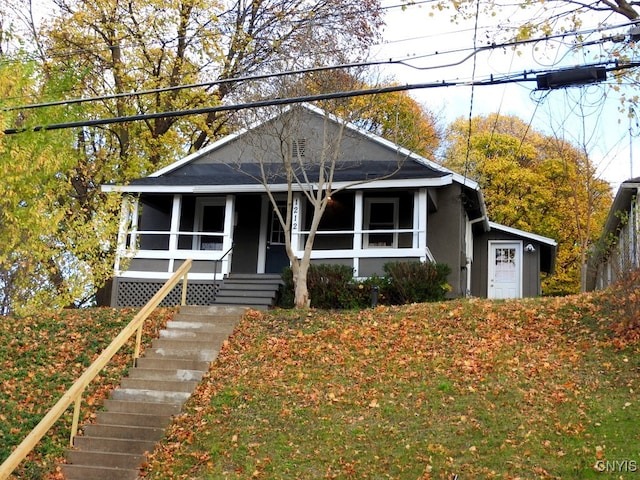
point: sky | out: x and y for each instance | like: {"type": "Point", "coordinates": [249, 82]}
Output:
{"type": "Point", "coordinates": [586, 115]}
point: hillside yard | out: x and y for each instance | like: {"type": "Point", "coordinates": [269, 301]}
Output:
{"type": "Point", "coordinates": [479, 389]}
{"type": "Point", "coordinates": [40, 357]}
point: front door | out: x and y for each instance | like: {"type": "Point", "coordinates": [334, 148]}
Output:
{"type": "Point", "coordinates": [276, 257]}
{"type": "Point", "coordinates": [505, 270]}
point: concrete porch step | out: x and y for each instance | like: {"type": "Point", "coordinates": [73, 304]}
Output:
{"type": "Point", "coordinates": [213, 312]}
{"type": "Point", "coordinates": [84, 472]}
{"type": "Point", "coordinates": [167, 363]}
{"type": "Point", "coordinates": [125, 432]}
{"type": "Point", "coordinates": [167, 409]}
{"type": "Point", "coordinates": [195, 331]}
{"type": "Point", "coordinates": [113, 445]}
{"type": "Point", "coordinates": [159, 385]}
{"type": "Point", "coordinates": [185, 354]}
{"type": "Point", "coordinates": [137, 419]}
{"type": "Point", "coordinates": [203, 342]}
{"type": "Point", "coordinates": [166, 374]}
{"type": "Point", "coordinates": [102, 459]}
{"type": "Point", "coordinates": [228, 320]}
{"type": "Point", "coordinates": [150, 396]}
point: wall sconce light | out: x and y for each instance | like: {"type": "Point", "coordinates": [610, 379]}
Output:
{"type": "Point", "coordinates": [530, 248]}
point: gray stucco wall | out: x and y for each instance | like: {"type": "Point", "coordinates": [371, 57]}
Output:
{"type": "Point", "coordinates": [445, 236]}
{"type": "Point", "coordinates": [320, 136]}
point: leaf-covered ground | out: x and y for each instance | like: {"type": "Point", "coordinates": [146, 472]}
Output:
{"type": "Point", "coordinates": [40, 357]}
{"type": "Point", "coordinates": [474, 388]}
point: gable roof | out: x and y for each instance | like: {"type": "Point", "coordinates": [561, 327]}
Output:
{"type": "Point", "coordinates": [320, 112]}
{"type": "Point", "coordinates": [186, 176]}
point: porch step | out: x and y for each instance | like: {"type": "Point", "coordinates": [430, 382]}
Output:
{"type": "Point", "coordinates": [136, 414]}
{"type": "Point", "coordinates": [257, 291]}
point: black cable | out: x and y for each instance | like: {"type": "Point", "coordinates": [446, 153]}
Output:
{"type": "Point", "coordinates": [523, 77]}
{"type": "Point", "coordinates": [403, 62]}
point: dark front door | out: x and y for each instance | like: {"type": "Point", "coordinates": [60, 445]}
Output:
{"type": "Point", "coordinates": [276, 258]}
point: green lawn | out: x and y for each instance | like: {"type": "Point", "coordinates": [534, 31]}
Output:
{"type": "Point", "coordinates": [40, 357]}
{"type": "Point", "coordinates": [478, 389]}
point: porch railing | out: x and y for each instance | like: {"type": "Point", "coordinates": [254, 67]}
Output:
{"type": "Point", "coordinates": [74, 394]}
{"type": "Point", "coordinates": [215, 271]}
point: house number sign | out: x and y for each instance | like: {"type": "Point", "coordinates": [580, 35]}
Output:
{"type": "Point", "coordinates": [295, 214]}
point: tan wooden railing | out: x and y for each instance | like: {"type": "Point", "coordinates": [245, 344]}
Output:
{"type": "Point", "coordinates": [74, 394]}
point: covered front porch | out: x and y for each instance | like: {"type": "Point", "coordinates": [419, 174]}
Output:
{"type": "Point", "coordinates": [239, 233]}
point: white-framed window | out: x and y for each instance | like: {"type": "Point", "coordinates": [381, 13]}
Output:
{"type": "Point", "coordinates": [209, 219]}
{"type": "Point", "coordinates": [276, 230]}
{"type": "Point", "coordinates": [381, 214]}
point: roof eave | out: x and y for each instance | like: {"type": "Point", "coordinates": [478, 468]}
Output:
{"type": "Point", "coordinates": [259, 188]}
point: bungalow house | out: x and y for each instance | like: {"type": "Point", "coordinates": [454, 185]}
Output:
{"type": "Point", "coordinates": [618, 249]}
{"type": "Point", "coordinates": [387, 204]}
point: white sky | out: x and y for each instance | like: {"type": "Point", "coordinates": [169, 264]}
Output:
{"type": "Point", "coordinates": [585, 115]}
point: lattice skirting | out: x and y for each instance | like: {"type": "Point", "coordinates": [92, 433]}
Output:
{"type": "Point", "coordinates": [131, 292]}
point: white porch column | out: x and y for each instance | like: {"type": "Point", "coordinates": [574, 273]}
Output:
{"type": "Point", "coordinates": [127, 209]}
{"type": "Point", "coordinates": [358, 220]}
{"type": "Point", "coordinates": [175, 228]}
{"type": "Point", "coordinates": [227, 239]}
{"type": "Point", "coordinates": [135, 209]}
{"type": "Point", "coordinates": [420, 221]}
{"type": "Point", "coordinates": [264, 229]}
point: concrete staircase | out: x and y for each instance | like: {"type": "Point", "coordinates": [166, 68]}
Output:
{"type": "Point", "coordinates": [258, 291]}
{"type": "Point", "coordinates": [136, 414]}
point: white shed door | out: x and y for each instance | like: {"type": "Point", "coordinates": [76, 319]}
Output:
{"type": "Point", "coordinates": [505, 270]}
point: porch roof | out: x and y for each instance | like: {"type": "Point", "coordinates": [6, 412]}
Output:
{"type": "Point", "coordinates": [230, 177]}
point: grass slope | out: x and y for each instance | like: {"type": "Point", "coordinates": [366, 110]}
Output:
{"type": "Point", "coordinates": [40, 357]}
{"type": "Point", "coordinates": [474, 388]}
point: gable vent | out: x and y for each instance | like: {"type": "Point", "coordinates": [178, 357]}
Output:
{"type": "Point", "coordinates": [298, 147]}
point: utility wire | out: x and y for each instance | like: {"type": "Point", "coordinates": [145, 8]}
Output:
{"type": "Point", "coordinates": [404, 62]}
{"type": "Point", "coordinates": [523, 77]}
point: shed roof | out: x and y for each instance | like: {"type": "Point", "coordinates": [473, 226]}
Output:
{"type": "Point", "coordinates": [548, 246]}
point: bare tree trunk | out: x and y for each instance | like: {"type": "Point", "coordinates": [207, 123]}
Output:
{"type": "Point", "coordinates": [300, 269]}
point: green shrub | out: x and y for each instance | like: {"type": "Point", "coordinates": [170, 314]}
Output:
{"type": "Point", "coordinates": [416, 282]}
{"type": "Point", "coordinates": [333, 286]}
{"type": "Point", "coordinates": [330, 286]}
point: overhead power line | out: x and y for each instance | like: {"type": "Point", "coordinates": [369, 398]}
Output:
{"type": "Point", "coordinates": [472, 53]}
{"type": "Point", "coordinates": [523, 77]}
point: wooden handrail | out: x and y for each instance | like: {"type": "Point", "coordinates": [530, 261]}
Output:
{"type": "Point", "coordinates": [74, 394]}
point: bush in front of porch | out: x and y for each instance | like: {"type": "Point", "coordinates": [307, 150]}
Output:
{"type": "Point", "coordinates": [334, 287]}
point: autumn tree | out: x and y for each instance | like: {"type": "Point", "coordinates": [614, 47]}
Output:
{"type": "Point", "coordinates": [534, 182]}
{"type": "Point", "coordinates": [396, 116]}
{"type": "Point", "coordinates": [41, 221]}
{"type": "Point", "coordinates": [109, 49]}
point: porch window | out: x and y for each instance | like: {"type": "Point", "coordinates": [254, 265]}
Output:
{"type": "Point", "coordinates": [276, 231]}
{"type": "Point", "coordinates": [209, 219]}
{"type": "Point", "coordinates": [381, 214]}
